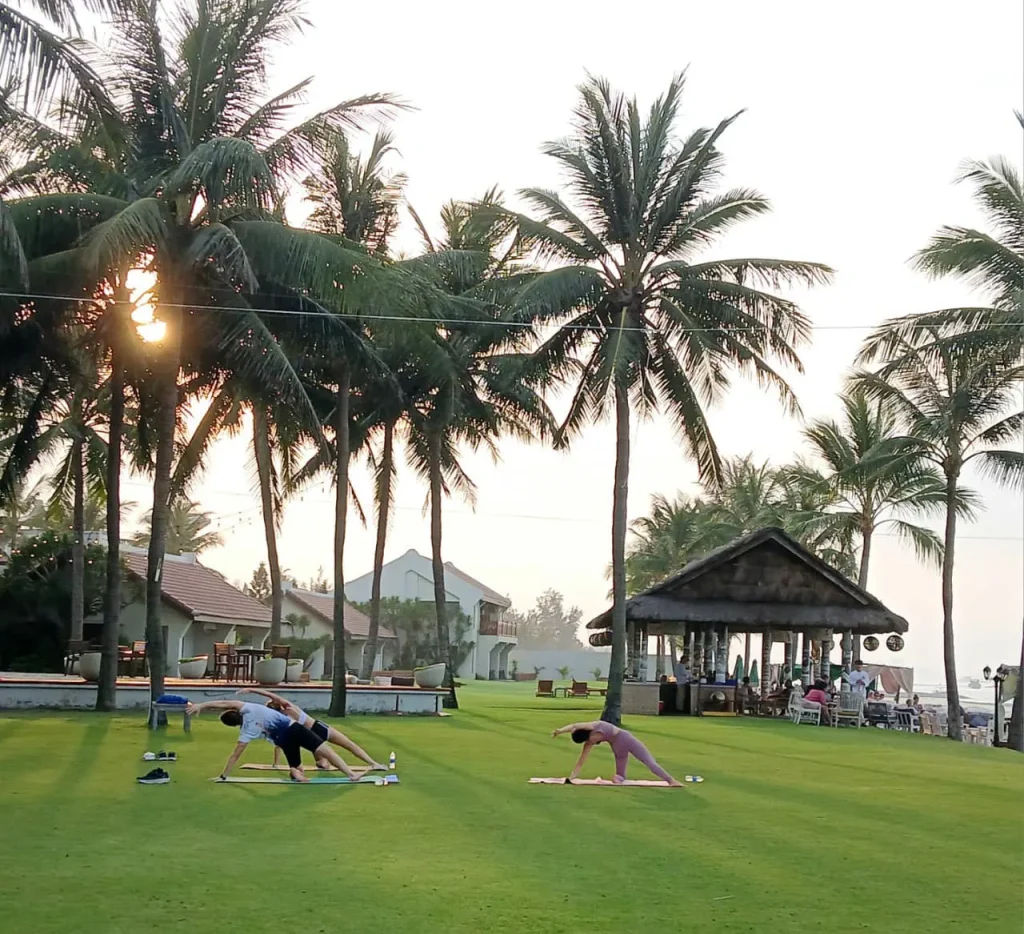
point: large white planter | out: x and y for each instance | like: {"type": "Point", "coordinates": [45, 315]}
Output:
{"type": "Point", "coordinates": [89, 666]}
{"type": "Point", "coordinates": [270, 670]}
{"type": "Point", "coordinates": [293, 670]}
{"type": "Point", "coordinates": [430, 677]}
{"type": "Point", "coordinates": [316, 665]}
{"type": "Point", "coordinates": [194, 669]}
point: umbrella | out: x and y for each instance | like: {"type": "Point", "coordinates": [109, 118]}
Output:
{"type": "Point", "coordinates": [738, 671]}
{"type": "Point", "coordinates": [753, 674]}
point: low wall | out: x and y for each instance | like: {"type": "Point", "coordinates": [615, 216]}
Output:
{"type": "Point", "coordinates": [18, 694]}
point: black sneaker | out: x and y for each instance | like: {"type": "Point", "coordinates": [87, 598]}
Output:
{"type": "Point", "coordinates": [166, 756]}
{"type": "Point", "coordinates": [156, 777]}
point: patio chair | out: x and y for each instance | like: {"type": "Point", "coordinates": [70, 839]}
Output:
{"type": "Point", "coordinates": [800, 712]}
{"type": "Point", "coordinates": [578, 689]}
{"type": "Point", "coordinates": [137, 657]}
{"type": "Point", "coordinates": [908, 720]}
{"type": "Point", "coordinates": [280, 651]}
{"type": "Point", "coordinates": [880, 714]}
{"type": "Point", "coordinates": [850, 709]}
{"type": "Point", "coordinates": [545, 689]}
{"type": "Point", "coordinates": [227, 664]}
{"type": "Point", "coordinates": [74, 653]}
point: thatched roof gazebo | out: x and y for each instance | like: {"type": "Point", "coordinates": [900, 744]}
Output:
{"type": "Point", "coordinates": [766, 583]}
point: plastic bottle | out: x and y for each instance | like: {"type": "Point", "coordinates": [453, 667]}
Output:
{"type": "Point", "coordinates": [391, 761]}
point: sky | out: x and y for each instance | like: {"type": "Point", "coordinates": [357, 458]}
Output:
{"type": "Point", "coordinates": [856, 120]}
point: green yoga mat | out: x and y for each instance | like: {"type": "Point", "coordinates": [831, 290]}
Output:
{"type": "Point", "coordinates": [340, 780]}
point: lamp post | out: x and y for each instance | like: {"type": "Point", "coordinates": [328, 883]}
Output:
{"type": "Point", "coordinates": [997, 680]}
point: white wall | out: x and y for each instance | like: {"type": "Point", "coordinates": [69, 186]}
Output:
{"type": "Point", "coordinates": [581, 662]}
{"type": "Point", "coordinates": [318, 628]}
{"type": "Point", "coordinates": [133, 625]}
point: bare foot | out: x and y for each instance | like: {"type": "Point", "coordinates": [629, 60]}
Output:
{"type": "Point", "coordinates": [378, 767]}
{"type": "Point", "coordinates": [675, 784]}
{"type": "Point", "coordinates": [298, 775]}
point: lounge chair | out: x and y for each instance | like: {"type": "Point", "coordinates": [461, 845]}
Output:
{"type": "Point", "coordinates": [851, 708]}
{"type": "Point", "coordinates": [578, 689]}
{"type": "Point", "coordinates": [545, 689]}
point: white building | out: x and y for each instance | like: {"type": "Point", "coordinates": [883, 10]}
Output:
{"type": "Point", "coordinates": [411, 577]}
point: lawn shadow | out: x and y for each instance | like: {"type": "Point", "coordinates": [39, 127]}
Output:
{"type": "Point", "coordinates": [85, 756]}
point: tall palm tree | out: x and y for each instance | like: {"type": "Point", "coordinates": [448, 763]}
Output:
{"type": "Point", "coordinates": [673, 533]}
{"type": "Point", "coordinates": [649, 325]}
{"type": "Point", "coordinates": [486, 385]}
{"type": "Point", "coordinates": [953, 401]}
{"type": "Point", "coordinates": [189, 530]}
{"type": "Point", "coordinates": [876, 479]}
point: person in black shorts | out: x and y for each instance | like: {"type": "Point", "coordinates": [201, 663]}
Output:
{"type": "Point", "coordinates": [324, 730]}
{"type": "Point", "coordinates": [257, 721]}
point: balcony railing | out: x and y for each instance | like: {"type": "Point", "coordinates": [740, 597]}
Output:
{"type": "Point", "coordinates": [496, 628]}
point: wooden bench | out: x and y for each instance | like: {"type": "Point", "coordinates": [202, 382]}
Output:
{"type": "Point", "coordinates": [156, 709]}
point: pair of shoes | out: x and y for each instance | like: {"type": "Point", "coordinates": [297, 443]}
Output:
{"type": "Point", "coordinates": [155, 777]}
{"type": "Point", "coordinates": [160, 756]}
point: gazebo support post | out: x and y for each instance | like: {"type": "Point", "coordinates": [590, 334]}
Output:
{"type": "Point", "coordinates": [826, 658]}
{"type": "Point", "coordinates": [806, 675]}
{"type": "Point", "coordinates": [787, 659]}
{"type": "Point", "coordinates": [847, 651]}
{"type": "Point", "coordinates": [746, 655]}
{"type": "Point", "coordinates": [710, 647]}
{"type": "Point", "coordinates": [722, 662]}
{"type": "Point", "coordinates": [766, 661]}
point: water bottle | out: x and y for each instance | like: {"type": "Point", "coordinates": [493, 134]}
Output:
{"type": "Point", "coordinates": [391, 761]}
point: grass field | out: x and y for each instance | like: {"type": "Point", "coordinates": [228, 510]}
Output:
{"type": "Point", "coordinates": [794, 829]}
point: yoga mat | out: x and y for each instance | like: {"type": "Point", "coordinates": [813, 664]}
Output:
{"type": "Point", "coordinates": [267, 767]}
{"type": "Point", "coordinates": [340, 780]}
{"type": "Point", "coordinates": [643, 783]}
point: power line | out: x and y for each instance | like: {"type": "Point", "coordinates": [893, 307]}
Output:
{"type": "Point", "coordinates": [520, 325]}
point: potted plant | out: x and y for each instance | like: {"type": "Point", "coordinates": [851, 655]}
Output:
{"type": "Point", "coordinates": [192, 668]}
{"type": "Point", "coordinates": [89, 666]}
{"type": "Point", "coordinates": [430, 676]}
{"type": "Point", "coordinates": [596, 672]}
{"type": "Point", "coordinates": [293, 670]}
{"type": "Point", "coordinates": [270, 670]}
{"type": "Point", "coordinates": [563, 672]}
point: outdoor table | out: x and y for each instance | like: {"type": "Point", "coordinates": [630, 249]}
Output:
{"type": "Point", "coordinates": [249, 656]}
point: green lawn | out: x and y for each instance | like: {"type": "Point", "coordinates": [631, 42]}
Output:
{"type": "Point", "coordinates": [793, 828]}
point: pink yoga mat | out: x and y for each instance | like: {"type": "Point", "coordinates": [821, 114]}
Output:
{"type": "Point", "coordinates": [604, 781]}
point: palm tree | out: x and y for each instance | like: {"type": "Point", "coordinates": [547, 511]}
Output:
{"type": "Point", "coordinates": [648, 325]}
{"type": "Point", "coordinates": [484, 385]}
{"type": "Point", "coordinates": [875, 479]}
{"type": "Point", "coordinates": [188, 530]}
{"type": "Point", "coordinates": [952, 401]}
{"type": "Point", "coordinates": [673, 533]}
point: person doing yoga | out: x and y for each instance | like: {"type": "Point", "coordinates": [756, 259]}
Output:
{"type": "Point", "coordinates": [622, 743]}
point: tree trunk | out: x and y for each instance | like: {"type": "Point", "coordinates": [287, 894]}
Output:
{"type": "Point", "coordinates": [1016, 738]}
{"type": "Point", "coordinates": [106, 690]}
{"type": "Point", "coordinates": [383, 509]}
{"type": "Point", "coordinates": [954, 721]}
{"type": "Point", "coordinates": [78, 538]}
{"type": "Point", "coordinates": [341, 455]}
{"type": "Point", "coordinates": [746, 655]}
{"type": "Point", "coordinates": [166, 423]}
{"type": "Point", "coordinates": [851, 643]}
{"type": "Point", "coordinates": [444, 641]}
{"type": "Point", "coordinates": [659, 662]}
{"type": "Point", "coordinates": [261, 450]}
{"type": "Point", "coordinates": [612, 712]}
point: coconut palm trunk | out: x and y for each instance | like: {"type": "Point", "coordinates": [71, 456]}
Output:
{"type": "Point", "coordinates": [383, 509]}
{"type": "Point", "coordinates": [78, 538]}
{"type": "Point", "coordinates": [444, 642]}
{"type": "Point", "coordinates": [851, 641]}
{"type": "Point", "coordinates": [166, 424]}
{"type": "Point", "coordinates": [107, 687]}
{"type": "Point", "coordinates": [341, 463]}
{"type": "Point", "coordinates": [612, 712]}
{"type": "Point", "coordinates": [953, 719]}
{"type": "Point", "coordinates": [261, 450]}
{"type": "Point", "coordinates": [1016, 738]}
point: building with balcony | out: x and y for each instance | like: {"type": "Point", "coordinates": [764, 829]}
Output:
{"type": "Point", "coordinates": [411, 577]}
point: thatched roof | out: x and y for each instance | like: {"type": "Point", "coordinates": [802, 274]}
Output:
{"type": "Point", "coordinates": [762, 581]}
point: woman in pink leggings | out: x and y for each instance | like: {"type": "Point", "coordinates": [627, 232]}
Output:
{"type": "Point", "coordinates": [623, 744]}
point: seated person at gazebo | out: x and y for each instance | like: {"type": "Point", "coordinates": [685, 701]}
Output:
{"type": "Point", "coordinates": [817, 695]}
{"type": "Point", "coordinates": [744, 697]}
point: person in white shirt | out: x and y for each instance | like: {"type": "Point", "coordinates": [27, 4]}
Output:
{"type": "Point", "coordinates": [257, 721]}
{"type": "Point", "coordinates": [682, 673]}
{"type": "Point", "coordinates": [858, 678]}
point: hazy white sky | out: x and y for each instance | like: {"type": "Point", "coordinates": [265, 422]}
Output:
{"type": "Point", "coordinates": [858, 117]}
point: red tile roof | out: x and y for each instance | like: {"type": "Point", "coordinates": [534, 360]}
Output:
{"type": "Point", "coordinates": [357, 623]}
{"type": "Point", "coordinates": [492, 595]}
{"type": "Point", "coordinates": [201, 591]}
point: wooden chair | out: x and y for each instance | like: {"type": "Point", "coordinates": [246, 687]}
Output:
{"type": "Point", "coordinates": [851, 708]}
{"type": "Point", "coordinates": [74, 653]}
{"type": "Point", "coordinates": [545, 689]}
{"type": "Point", "coordinates": [280, 651]}
{"type": "Point", "coordinates": [578, 689]}
{"type": "Point", "coordinates": [227, 664]}
{"type": "Point", "coordinates": [137, 658]}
